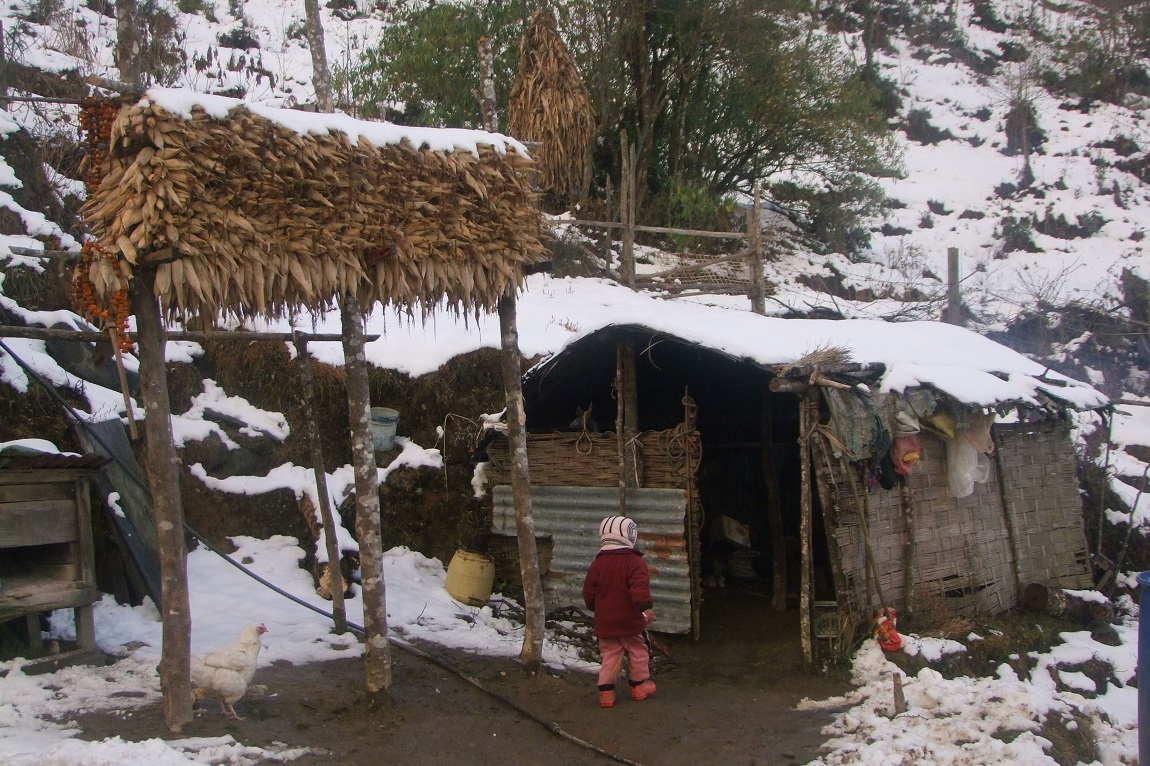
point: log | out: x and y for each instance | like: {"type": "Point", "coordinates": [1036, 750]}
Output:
{"type": "Point", "coordinates": [1057, 602]}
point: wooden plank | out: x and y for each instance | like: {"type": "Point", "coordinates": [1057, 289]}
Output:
{"type": "Point", "coordinates": [15, 493]}
{"type": "Point", "coordinates": [41, 475]}
{"type": "Point", "coordinates": [85, 547]}
{"type": "Point", "coordinates": [63, 660]}
{"type": "Point", "coordinates": [46, 601]}
{"type": "Point", "coordinates": [37, 523]}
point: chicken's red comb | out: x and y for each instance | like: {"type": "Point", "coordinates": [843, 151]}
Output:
{"type": "Point", "coordinates": [261, 629]}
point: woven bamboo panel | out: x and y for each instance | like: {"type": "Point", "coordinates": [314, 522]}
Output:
{"type": "Point", "coordinates": [592, 460]}
{"type": "Point", "coordinates": [1042, 494]}
{"type": "Point", "coordinates": [962, 551]}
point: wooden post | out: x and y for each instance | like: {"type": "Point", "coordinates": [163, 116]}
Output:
{"type": "Point", "coordinates": [127, 53]}
{"type": "Point", "coordinates": [330, 527]}
{"type": "Point", "coordinates": [808, 419]}
{"type": "Point", "coordinates": [164, 480]}
{"type": "Point", "coordinates": [909, 547]}
{"type": "Point", "coordinates": [899, 694]}
{"type": "Point", "coordinates": [531, 654]}
{"type": "Point", "coordinates": [627, 213]}
{"type": "Point", "coordinates": [86, 559]}
{"type": "Point", "coordinates": [953, 297]}
{"type": "Point", "coordinates": [620, 440]}
{"type": "Point", "coordinates": [631, 415]}
{"type": "Point", "coordinates": [774, 509]}
{"type": "Point", "coordinates": [377, 651]}
{"type": "Point", "coordinates": [606, 243]}
{"type": "Point", "coordinates": [754, 247]}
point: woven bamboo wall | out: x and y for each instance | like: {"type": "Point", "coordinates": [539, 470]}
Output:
{"type": "Point", "coordinates": [592, 460]}
{"type": "Point", "coordinates": [962, 545]}
{"type": "Point", "coordinates": [1042, 493]}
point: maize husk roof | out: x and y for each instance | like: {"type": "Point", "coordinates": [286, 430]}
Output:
{"type": "Point", "coordinates": [549, 104]}
{"type": "Point", "coordinates": [263, 211]}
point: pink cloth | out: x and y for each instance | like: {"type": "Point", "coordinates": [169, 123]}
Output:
{"type": "Point", "coordinates": [638, 659]}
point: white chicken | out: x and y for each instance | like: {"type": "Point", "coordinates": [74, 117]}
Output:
{"type": "Point", "coordinates": [226, 673]}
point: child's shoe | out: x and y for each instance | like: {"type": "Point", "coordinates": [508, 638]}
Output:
{"type": "Point", "coordinates": [607, 697]}
{"type": "Point", "coordinates": [642, 690]}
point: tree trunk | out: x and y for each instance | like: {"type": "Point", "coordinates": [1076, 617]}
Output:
{"type": "Point", "coordinates": [320, 73]}
{"type": "Point", "coordinates": [1058, 603]}
{"type": "Point", "coordinates": [334, 574]}
{"type": "Point", "coordinates": [175, 667]}
{"type": "Point", "coordinates": [377, 652]}
{"type": "Point", "coordinates": [128, 43]}
{"type": "Point", "coordinates": [531, 655]}
{"type": "Point", "coordinates": [487, 86]}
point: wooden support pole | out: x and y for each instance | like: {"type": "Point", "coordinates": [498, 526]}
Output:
{"type": "Point", "coordinates": [377, 651]}
{"type": "Point", "coordinates": [808, 419]}
{"type": "Point", "coordinates": [164, 480]}
{"type": "Point", "coordinates": [631, 415]}
{"type": "Point", "coordinates": [627, 213]}
{"type": "Point", "coordinates": [531, 653]}
{"type": "Point", "coordinates": [755, 247]}
{"type": "Point", "coordinates": [330, 526]}
{"type": "Point", "coordinates": [620, 440]}
{"type": "Point", "coordinates": [910, 545]}
{"type": "Point", "coordinates": [953, 297]}
{"type": "Point", "coordinates": [124, 383]}
{"type": "Point", "coordinates": [85, 547]}
{"type": "Point", "coordinates": [774, 509]}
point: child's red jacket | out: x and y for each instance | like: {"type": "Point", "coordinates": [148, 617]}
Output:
{"type": "Point", "coordinates": [618, 590]}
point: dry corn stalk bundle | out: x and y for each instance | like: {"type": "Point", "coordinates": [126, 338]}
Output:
{"type": "Point", "coordinates": [246, 216]}
{"type": "Point", "coordinates": [549, 104]}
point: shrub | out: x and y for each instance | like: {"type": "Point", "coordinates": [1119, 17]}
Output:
{"type": "Point", "coordinates": [1016, 235]}
{"type": "Point", "coordinates": [919, 128]}
{"type": "Point", "coordinates": [688, 205]}
{"type": "Point", "coordinates": [240, 37]}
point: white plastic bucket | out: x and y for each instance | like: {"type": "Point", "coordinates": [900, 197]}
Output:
{"type": "Point", "coordinates": [383, 423]}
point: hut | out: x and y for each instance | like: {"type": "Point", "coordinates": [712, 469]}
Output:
{"type": "Point", "coordinates": [772, 461]}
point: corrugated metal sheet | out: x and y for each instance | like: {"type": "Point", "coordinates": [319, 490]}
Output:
{"type": "Point", "coordinates": [571, 515]}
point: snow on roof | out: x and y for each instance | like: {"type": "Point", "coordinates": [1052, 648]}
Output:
{"type": "Point", "coordinates": [181, 103]}
{"type": "Point", "coordinates": [958, 362]}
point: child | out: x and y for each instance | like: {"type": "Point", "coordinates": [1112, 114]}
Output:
{"type": "Point", "coordinates": [618, 590]}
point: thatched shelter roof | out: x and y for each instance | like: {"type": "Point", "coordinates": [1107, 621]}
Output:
{"type": "Point", "coordinates": [247, 209]}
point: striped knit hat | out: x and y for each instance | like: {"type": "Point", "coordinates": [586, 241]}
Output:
{"type": "Point", "coordinates": [617, 532]}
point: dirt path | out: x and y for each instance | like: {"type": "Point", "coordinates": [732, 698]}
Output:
{"type": "Point", "coordinates": [728, 699]}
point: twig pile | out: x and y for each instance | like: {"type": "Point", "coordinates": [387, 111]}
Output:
{"type": "Point", "coordinates": [242, 215]}
{"type": "Point", "coordinates": [549, 104]}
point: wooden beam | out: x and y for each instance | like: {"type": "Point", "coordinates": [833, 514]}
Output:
{"type": "Point", "coordinates": [655, 229]}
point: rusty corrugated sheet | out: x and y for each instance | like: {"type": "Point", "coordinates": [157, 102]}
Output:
{"type": "Point", "coordinates": [571, 515]}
